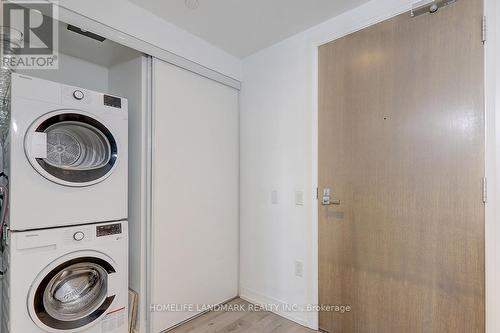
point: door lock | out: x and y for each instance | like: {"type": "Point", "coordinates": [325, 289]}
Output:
{"type": "Point", "coordinates": [327, 199]}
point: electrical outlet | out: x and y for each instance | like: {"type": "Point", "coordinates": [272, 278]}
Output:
{"type": "Point", "coordinates": [299, 269]}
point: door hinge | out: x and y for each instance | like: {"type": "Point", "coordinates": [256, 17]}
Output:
{"type": "Point", "coordinates": [5, 234]}
{"type": "Point", "coordinates": [484, 30]}
{"type": "Point", "coordinates": [317, 193]}
{"type": "Point", "coordinates": [485, 190]}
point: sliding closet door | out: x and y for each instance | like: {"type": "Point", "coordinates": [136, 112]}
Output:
{"type": "Point", "coordinates": [195, 194]}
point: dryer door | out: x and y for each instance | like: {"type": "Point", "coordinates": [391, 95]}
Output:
{"type": "Point", "coordinates": [71, 148]}
{"type": "Point", "coordinates": [72, 296]}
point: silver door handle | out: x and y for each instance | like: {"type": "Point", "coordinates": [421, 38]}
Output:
{"type": "Point", "coordinates": [327, 201]}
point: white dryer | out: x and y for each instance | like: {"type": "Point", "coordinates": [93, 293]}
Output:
{"type": "Point", "coordinates": [70, 279]}
{"type": "Point", "coordinates": [67, 157]}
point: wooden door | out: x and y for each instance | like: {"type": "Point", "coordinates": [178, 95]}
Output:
{"type": "Point", "coordinates": [401, 145]}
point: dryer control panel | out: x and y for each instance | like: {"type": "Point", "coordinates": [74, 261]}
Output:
{"type": "Point", "coordinates": [112, 101]}
{"type": "Point", "coordinates": [109, 229]}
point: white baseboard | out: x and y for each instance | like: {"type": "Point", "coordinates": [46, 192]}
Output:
{"type": "Point", "coordinates": [259, 299]}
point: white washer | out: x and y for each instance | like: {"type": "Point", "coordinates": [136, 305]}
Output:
{"type": "Point", "coordinates": [70, 279]}
{"type": "Point", "coordinates": [68, 155]}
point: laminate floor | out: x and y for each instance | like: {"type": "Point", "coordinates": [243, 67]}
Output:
{"type": "Point", "coordinates": [240, 322]}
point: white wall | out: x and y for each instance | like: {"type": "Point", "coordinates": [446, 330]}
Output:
{"type": "Point", "coordinates": [128, 79]}
{"type": "Point", "coordinates": [492, 74]}
{"type": "Point", "coordinates": [278, 150]}
{"type": "Point", "coordinates": [75, 72]}
{"type": "Point", "coordinates": [136, 21]}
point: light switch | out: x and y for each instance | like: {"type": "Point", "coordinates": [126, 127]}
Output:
{"type": "Point", "coordinates": [299, 198]}
{"type": "Point", "coordinates": [299, 269]}
{"type": "Point", "coordinates": [274, 197]}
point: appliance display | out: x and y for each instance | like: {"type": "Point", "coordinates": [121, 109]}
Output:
{"type": "Point", "coordinates": [68, 155]}
{"type": "Point", "coordinates": [67, 279]}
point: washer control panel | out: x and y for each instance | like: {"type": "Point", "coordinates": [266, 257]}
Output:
{"type": "Point", "coordinates": [109, 229]}
{"type": "Point", "coordinates": [78, 94]}
{"type": "Point", "coordinates": [73, 96]}
{"type": "Point", "coordinates": [78, 236]}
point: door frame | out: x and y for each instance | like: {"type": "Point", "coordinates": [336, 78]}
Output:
{"type": "Point", "coordinates": [377, 12]}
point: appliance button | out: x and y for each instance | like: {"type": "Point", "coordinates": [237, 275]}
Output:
{"type": "Point", "coordinates": [78, 236]}
{"type": "Point", "coordinates": [78, 94]}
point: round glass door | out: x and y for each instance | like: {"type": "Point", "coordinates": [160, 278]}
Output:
{"type": "Point", "coordinates": [73, 295]}
{"type": "Point", "coordinates": [75, 292]}
{"type": "Point", "coordinates": [75, 146]}
{"type": "Point", "coordinates": [72, 149]}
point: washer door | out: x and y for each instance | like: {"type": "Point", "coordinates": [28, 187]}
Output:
{"type": "Point", "coordinates": [72, 296]}
{"type": "Point", "coordinates": [71, 148]}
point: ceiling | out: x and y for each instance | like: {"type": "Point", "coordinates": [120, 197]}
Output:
{"type": "Point", "coordinates": [242, 27]}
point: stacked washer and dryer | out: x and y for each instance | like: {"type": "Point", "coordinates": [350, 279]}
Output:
{"type": "Point", "coordinates": [65, 252]}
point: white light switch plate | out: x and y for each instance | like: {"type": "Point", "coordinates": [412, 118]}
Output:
{"type": "Point", "coordinates": [299, 198]}
{"type": "Point", "coordinates": [299, 268]}
{"type": "Point", "coordinates": [274, 197]}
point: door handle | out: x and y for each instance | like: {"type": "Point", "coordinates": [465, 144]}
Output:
{"type": "Point", "coordinates": [327, 200]}
{"type": "Point", "coordinates": [332, 202]}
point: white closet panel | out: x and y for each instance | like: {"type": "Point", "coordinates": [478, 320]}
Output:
{"type": "Point", "coordinates": [195, 191]}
